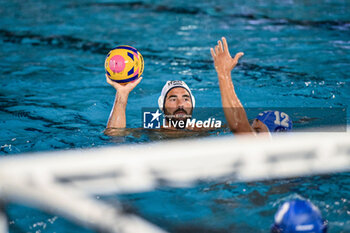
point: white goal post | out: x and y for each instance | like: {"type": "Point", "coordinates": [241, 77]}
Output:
{"type": "Point", "coordinates": [65, 182]}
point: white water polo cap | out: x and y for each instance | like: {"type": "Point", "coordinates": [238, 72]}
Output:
{"type": "Point", "coordinates": [170, 85]}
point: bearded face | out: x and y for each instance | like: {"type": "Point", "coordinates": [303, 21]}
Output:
{"type": "Point", "coordinates": [178, 105]}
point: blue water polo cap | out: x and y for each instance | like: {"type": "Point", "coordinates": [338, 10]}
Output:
{"type": "Point", "coordinates": [276, 121]}
{"type": "Point", "coordinates": [299, 216]}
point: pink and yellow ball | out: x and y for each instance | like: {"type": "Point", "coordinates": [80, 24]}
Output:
{"type": "Point", "coordinates": [124, 64]}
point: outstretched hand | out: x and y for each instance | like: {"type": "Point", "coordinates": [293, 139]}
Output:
{"type": "Point", "coordinates": [123, 89]}
{"type": "Point", "coordinates": [223, 61]}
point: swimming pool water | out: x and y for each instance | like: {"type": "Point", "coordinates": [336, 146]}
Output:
{"type": "Point", "coordinates": [53, 94]}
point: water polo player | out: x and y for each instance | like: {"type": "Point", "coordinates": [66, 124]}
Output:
{"type": "Point", "coordinates": [268, 121]}
{"type": "Point", "coordinates": [299, 216]}
{"type": "Point", "coordinates": [176, 101]}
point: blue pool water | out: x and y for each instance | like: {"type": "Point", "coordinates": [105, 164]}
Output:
{"type": "Point", "coordinates": [53, 94]}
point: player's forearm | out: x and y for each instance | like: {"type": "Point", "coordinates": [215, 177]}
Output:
{"type": "Point", "coordinates": [234, 112]}
{"type": "Point", "coordinates": [117, 117]}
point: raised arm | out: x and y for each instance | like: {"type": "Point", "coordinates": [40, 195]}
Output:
{"type": "Point", "coordinates": [234, 112]}
{"type": "Point", "coordinates": [117, 117]}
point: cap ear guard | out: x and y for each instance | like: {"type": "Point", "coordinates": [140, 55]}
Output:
{"type": "Point", "coordinates": [160, 103]}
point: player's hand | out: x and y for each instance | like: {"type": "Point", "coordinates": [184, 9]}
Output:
{"type": "Point", "coordinates": [123, 89]}
{"type": "Point", "coordinates": [223, 61]}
